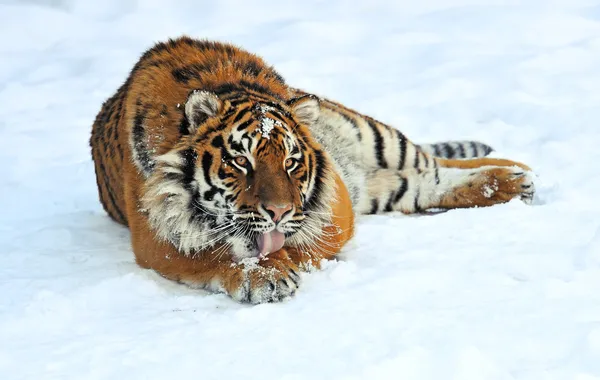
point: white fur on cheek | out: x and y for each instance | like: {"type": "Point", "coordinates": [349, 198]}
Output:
{"type": "Point", "coordinates": [167, 203]}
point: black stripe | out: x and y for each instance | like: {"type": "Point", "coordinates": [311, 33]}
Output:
{"type": "Point", "coordinates": [119, 151]}
{"type": "Point", "coordinates": [437, 176]}
{"type": "Point", "coordinates": [240, 115]}
{"type": "Point", "coordinates": [449, 150]}
{"type": "Point", "coordinates": [209, 195]}
{"type": "Point", "coordinates": [235, 145]}
{"type": "Point", "coordinates": [309, 167]}
{"type": "Point", "coordinates": [318, 186]}
{"type": "Point", "coordinates": [222, 174]}
{"type": "Point", "coordinates": [303, 177]}
{"type": "Point", "coordinates": [277, 107]}
{"type": "Point", "coordinates": [279, 117]}
{"type": "Point", "coordinates": [402, 190]}
{"type": "Point", "coordinates": [461, 151]}
{"type": "Point", "coordinates": [302, 144]}
{"type": "Point", "coordinates": [244, 125]}
{"type": "Point", "coordinates": [416, 158]}
{"type": "Point", "coordinates": [241, 95]}
{"type": "Point", "coordinates": [218, 142]}
{"type": "Point", "coordinates": [401, 149]}
{"type": "Point", "coordinates": [374, 206]}
{"type": "Point", "coordinates": [207, 160]}
{"type": "Point", "coordinates": [192, 71]}
{"type": "Point", "coordinates": [184, 74]}
{"type": "Point", "coordinates": [189, 165]}
{"type": "Point", "coordinates": [389, 204]}
{"type": "Point", "coordinates": [236, 98]}
{"type": "Point", "coordinates": [139, 141]}
{"type": "Point", "coordinates": [487, 149]}
{"type": "Point", "coordinates": [425, 160]}
{"type": "Point", "coordinates": [164, 110]}
{"type": "Point", "coordinates": [116, 209]}
{"type": "Point", "coordinates": [253, 68]}
{"type": "Point", "coordinates": [109, 192]}
{"type": "Point", "coordinates": [226, 88]}
{"type": "Point", "coordinates": [416, 204]}
{"type": "Point", "coordinates": [250, 141]}
{"type": "Point", "coordinates": [108, 116]}
{"type": "Point", "coordinates": [474, 148]}
{"type": "Point", "coordinates": [102, 200]}
{"type": "Point", "coordinates": [354, 125]}
{"type": "Point", "coordinates": [256, 87]}
{"type": "Point", "coordinates": [184, 126]}
{"type": "Point", "coordinates": [228, 114]}
{"type": "Point", "coordinates": [119, 114]}
{"type": "Point", "coordinates": [378, 145]}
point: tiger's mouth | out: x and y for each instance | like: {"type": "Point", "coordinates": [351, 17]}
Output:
{"type": "Point", "coordinates": [270, 242]}
{"type": "Point", "coordinates": [249, 235]}
{"type": "Point", "coordinates": [267, 237]}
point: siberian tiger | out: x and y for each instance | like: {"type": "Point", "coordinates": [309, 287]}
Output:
{"type": "Point", "coordinates": [232, 181]}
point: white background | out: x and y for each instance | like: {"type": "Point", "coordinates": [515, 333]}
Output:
{"type": "Point", "coordinates": [509, 292]}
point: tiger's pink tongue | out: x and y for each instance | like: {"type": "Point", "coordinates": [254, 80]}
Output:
{"type": "Point", "coordinates": [270, 242]}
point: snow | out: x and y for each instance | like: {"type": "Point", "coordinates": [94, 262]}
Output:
{"type": "Point", "coordinates": [266, 126]}
{"type": "Point", "coordinates": [508, 292]}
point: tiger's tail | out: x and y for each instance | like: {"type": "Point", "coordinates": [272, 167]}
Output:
{"type": "Point", "coordinates": [457, 149]}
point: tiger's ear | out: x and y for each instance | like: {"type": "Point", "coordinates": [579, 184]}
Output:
{"type": "Point", "coordinates": [201, 105]}
{"type": "Point", "coordinates": [306, 108]}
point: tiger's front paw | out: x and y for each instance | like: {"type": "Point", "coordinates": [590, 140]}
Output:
{"type": "Point", "coordinates": [270, 279]}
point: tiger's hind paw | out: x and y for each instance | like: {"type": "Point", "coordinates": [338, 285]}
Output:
{"type": "Point", "coordinates": [492, 185]}
{"type": "Point", "coordinates": [502, 184]}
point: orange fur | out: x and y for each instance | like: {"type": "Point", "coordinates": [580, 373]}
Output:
{"type": "Point", "coordinates": [479, 162]}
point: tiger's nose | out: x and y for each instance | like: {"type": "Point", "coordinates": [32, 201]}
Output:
{"type": "Point", "coordinates": [276, 212]}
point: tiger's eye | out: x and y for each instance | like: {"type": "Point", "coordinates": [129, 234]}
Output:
{"type": "Point", "coordinates": [289, 162]}
{"type": "Point", "coordinates": [241, 160]}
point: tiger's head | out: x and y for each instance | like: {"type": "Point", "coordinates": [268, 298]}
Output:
{"type": "Point", "coordinates": [248, 178]}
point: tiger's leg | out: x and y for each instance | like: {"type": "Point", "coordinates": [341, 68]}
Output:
{"type": "Point", "coordinates": [252, 280]}
{"type": "Point", "coordinates": [414, 190]}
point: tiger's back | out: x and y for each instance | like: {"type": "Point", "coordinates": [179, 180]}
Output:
{"type": "Point", "coordinates": [108, 155]}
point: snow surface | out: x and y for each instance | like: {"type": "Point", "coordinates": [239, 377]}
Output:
{"type": "Point", "coordinates": [509, 292]}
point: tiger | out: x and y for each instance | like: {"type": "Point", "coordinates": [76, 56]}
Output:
{"type": "Point", "coordinates": [232, 181]}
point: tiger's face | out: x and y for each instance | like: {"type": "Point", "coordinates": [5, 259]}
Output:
{"type": "Point", "coordinates": [248, 179]}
